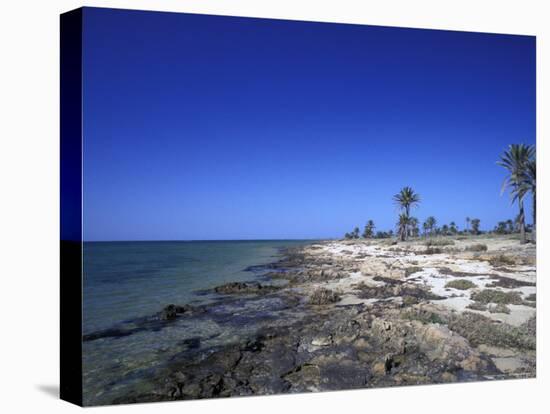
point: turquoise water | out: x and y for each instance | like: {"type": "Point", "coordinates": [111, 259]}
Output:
{"type": "Point", "coordinates": [126, 280]}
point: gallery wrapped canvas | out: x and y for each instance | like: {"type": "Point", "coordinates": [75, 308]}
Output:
{"type": "Point", "coordinates": [256, 206]}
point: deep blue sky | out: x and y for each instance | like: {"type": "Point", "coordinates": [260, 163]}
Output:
{"type": "Point", "coordinates": [205, 127]}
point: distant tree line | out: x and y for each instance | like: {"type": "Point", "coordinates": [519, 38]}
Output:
{"type": "Point", "coordinates": [519, 160]}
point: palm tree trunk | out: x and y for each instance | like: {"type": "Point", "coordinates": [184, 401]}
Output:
{"type": "Point", "coordinates": [534, 231]}
{"type": "Point", "coordinates": [407, 224]}
{"type": "Point", "coordinates": [522, 222]}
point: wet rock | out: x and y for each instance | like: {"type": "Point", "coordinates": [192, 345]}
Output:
{"type": "Point", "coordinates": [173, 311]}
{"type": "Point", "coordinates": [245, 288]}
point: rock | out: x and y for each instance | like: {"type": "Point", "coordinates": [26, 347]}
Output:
{"type": "Point", "coordinates": [388, 269]}
{"type": "Point", "coordinates": [448, 377]}
{"type": "Point", "coordinates": [173, 311]}
{"type": "Point", "coordinates": [244, 288]}
{"type": "Point", "coordinates": [323, 296]}
{"type": "Point", "coordinates": [305, 377]}
{"type": "Point", "coordinates": [472, 363]}
{"type": "Point", "coordinates": [322, 341]}
{"type": "Point", "coordinates": [379, 368]}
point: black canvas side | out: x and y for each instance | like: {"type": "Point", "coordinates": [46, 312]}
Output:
{"type": "Point", "coordinates": [71, 207]}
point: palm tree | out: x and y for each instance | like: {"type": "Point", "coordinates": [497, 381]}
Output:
{"type": "Point", "coordinates": [475, 225]}
{"type": "Point", "coordinates": [425, 227]}
{"type": "Point", "coordinates": [402, 225]}
{"type": "Point", "coordinates": [430, 224]}
{"type": "Point", "coordinates": [452, 227]}
{"type": "Point", "coordinates": [413, 230]}
{"type": "Point", "coordinates": [369, 229]}
{"type": "Point", "coordinates": [531, 184]}
{"type": "Point", "coordinates": [405, 199]}
{"type": "Point", "coordinates": [500, 228]}
{"type": "Point", "coordinates": [515, 160]}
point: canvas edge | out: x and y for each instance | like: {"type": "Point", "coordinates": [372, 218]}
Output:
{"type": "Point", "coordinates": [71, 206]}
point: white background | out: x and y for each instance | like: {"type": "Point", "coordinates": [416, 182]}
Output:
{"type": "Point", "coordinates": [29, 174]}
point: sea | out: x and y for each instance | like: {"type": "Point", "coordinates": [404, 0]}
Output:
{"type": "Point", "coordinates": [125, 282]}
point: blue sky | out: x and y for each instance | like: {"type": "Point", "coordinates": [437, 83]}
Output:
{"type": "Point", "coordinates": [205, 127]}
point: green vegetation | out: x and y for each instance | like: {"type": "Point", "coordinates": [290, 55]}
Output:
{"type": "Point", "coordinates": [414, 231]}
{"type": "Point", "coordinates": [353, 235]}
{"type": "Point", "coordinates": [479, 247]}
{"type": "Point", "coordinates": [405, 199]}
{"type": "Point", "coordinates": [479, 329]}
{"type": "Point", "coordinates": [501, 260]}
{"type": "Point", "coordinates": [424, 316]}
{"type": "Point", "coordinates": [518, 160]}
{"type": "Point", "coordinates": [429, 226]}
{"type": "Point", "coordinates": [412, 269]}
{"type": "Point", "coordinates": [496, 296]}
{"type": "Point", "coordinates": [499, 308]}
{"type": "Point", "coordinates": [368, 233]}
{"type": "Point", "coordinates": [475, 225]}
{"type": "Point", "coordinates": [520, 163]}
{"type": "Point", "coordinates": [461, 284]}
{"type": "Point", "coordinates": [432, 250]}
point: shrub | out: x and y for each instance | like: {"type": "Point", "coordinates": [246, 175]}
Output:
{"type": "Point", "coordinates": [432, 250]}
{"type": "Point", "coordinates": [476, 248]}
{"type": "Point", "coordinates": [501, 260]}
{"type": "Point", "coordinates": [496, 296]}
{"type": "Point", "coordinates": [461, 284]}
{"type": "Point", "coordinates": [412, 269]}
{"type": "Point", "coordinates": [499, 308]}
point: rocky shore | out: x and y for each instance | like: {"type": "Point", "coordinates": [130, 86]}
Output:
{"type": "Point", "coordinates": [357, 314]}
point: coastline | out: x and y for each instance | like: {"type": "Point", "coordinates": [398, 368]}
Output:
{"type": "Point", "coordinates": [357, 314]}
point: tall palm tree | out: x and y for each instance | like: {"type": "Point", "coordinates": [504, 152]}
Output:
{"type": "Point", "coordinates": [515, 160]}
{"type": "Point", "coordinates": [531, 180]}
{"type": "Point", "coordinates": [529, 185]}
{"type": "Point", "coordinates": [467, 224]}
{"type": "Point", "coordinates": [406, 199]}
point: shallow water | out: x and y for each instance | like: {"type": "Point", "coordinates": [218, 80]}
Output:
{"type": "Point", "coordinates": [126, 281]}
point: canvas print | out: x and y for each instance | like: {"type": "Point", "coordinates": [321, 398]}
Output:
{"type": "Point", "coordinates": [258, 206]}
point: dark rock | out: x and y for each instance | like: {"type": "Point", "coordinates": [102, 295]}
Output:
{"type": "Point", "coordinates": [172, 311]}
{"type": "Point", "coordinates": [245, 288]}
